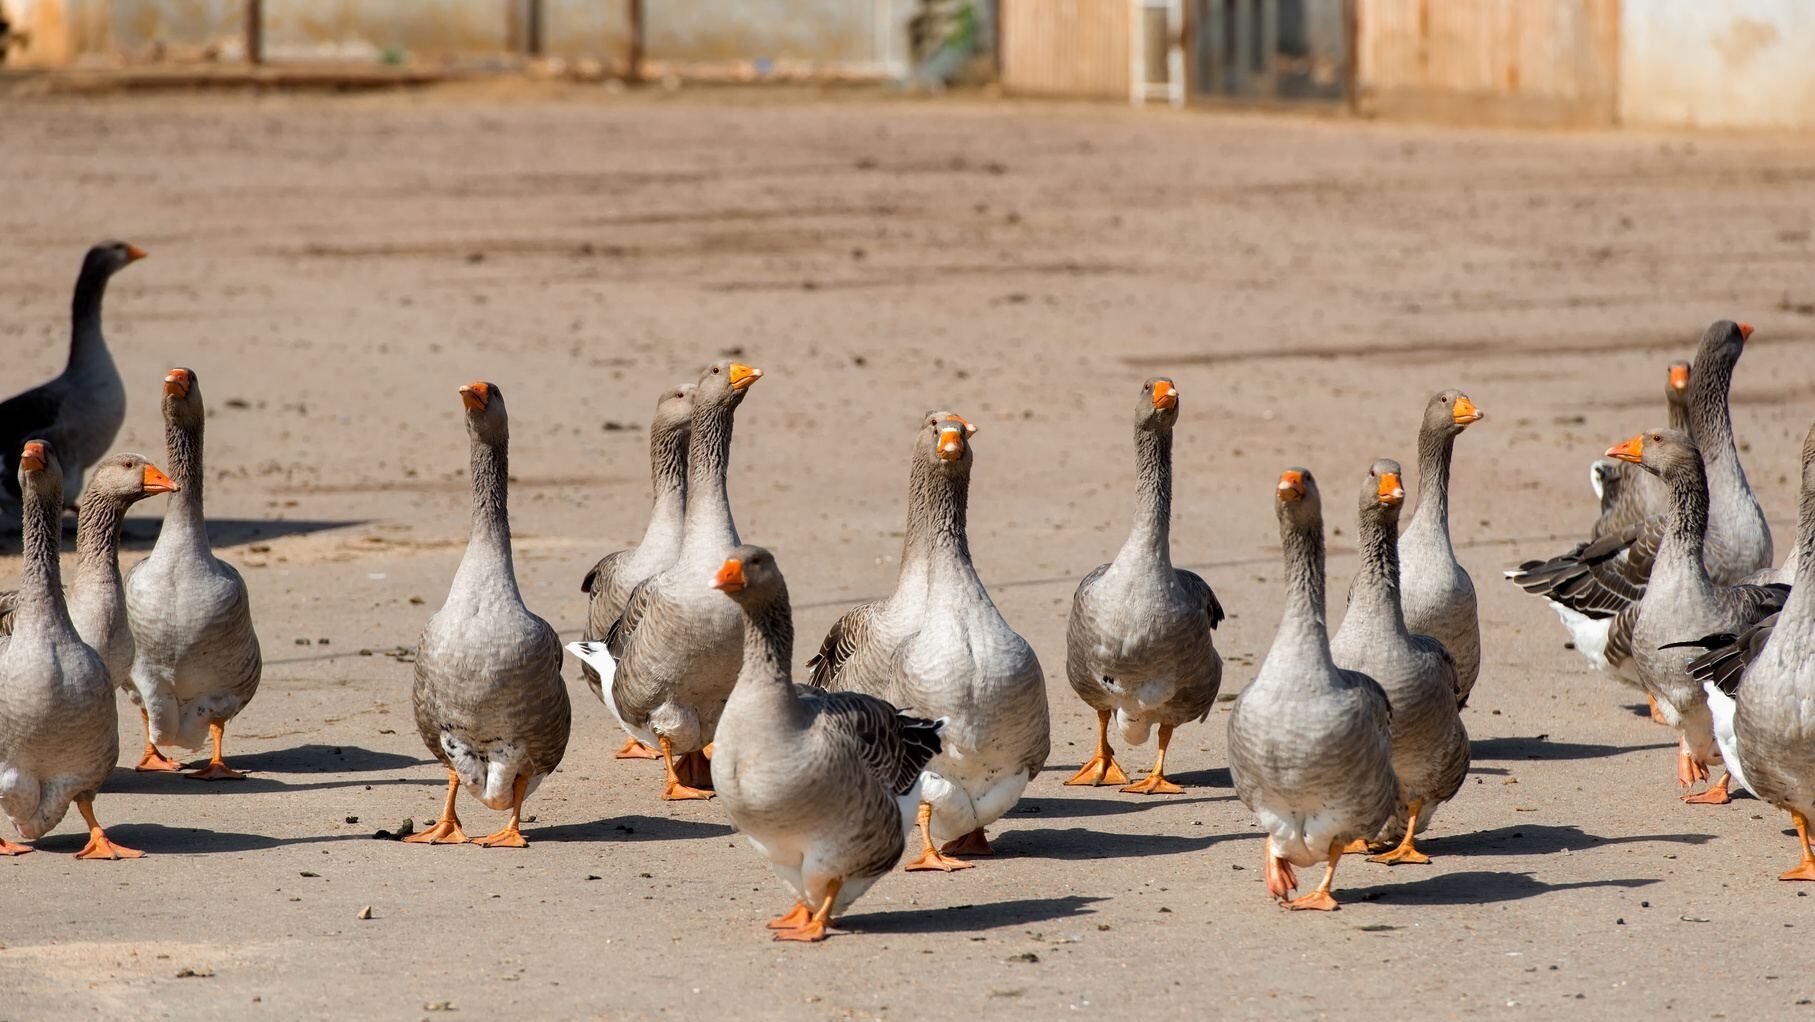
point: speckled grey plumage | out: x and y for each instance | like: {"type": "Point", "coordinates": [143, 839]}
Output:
{"type": "Point", "coordinates": [609, 583]}
{"type": "Point", "coordinates": [80, 412]}
{"type": "Point", "coordinates": [1635, 494]}
{"type": "Point", "coordinates": [1430, 745]}
{"type": "Point", "coordinates": [489, 699]}
{"type": "Point", "coordinates": [58, 730]}
{"type": "Point", "coordinates": [938, 647]}
{"type": "Point", "coordinates": [1310, 750]}
{"type": "Point", "coordinates": [823, 784]}
{"type": "Point", "coordinates": [1438, 594]}
{"type": "Point", "coordinates": [196, 657]}
{"type": "Point", "coordinates": [679, 642]}
{"type": "Point", "coordinates": [1139, 640]}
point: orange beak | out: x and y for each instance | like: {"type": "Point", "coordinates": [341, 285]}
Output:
{"type": "Point", "coordinates": [134, 253]}
{"type": "Point", "coordinates": [1465, 411]}
{"type": "Point", "coordinates": [970, 428]}
{"type": "Point", "coordinates": [1165, 395]}
{"type": "Point", "coordinates": [743, 376]}
{"type": "Point", "coordinates": [33, 458]}
{"type": "Point", "coordinates": [1292, 486]}
{"type": "Point", "coordinates": [476, 396]}
{"type": "Point", "coordinates": [1679, 376]}
{"type": "Point", "coordinates": [1745, 331]}
{"type": "Point", "coordinates": [950, 441]}
{"type": "Point", "coordinates": [1632, 450]}
{"type": "Point", "coordinates": [176, 383]}
{"type": "Point", "coordinates": [1391, 492]}
{"type": "Point", "coordinates": [730, 577]}
{"type": "Point", "coordinates": [157, 482]}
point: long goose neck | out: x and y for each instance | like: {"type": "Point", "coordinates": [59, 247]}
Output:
{"type": "Point", "coordinates": [769, 656]}
{"type": "Point", "coordinates": [1150, 538]}
{"type": "Point", "coordinates": [1805, 535]}
{"type": "Point", "coordinates": [1711, 422]}
{"type": "Point", "coordinates": [488, 546]}
{"type": "Point", "coordinates": [1434, 449]}
{"type": "Point", "coordinates": [85, 341]}
{"type": "Point", "coordinates": [1303, 620]}
{"type": "Point", "coordinates": [947, 530]}
{"type": "Point", "coordinates": [668, 472]}
{"type": "Point", "coordinates": [710, 530]}
{"type": "Point", "coordinates": [183, 447]}
{"type": "Point", "coordinates": [98, 522]}
{"type": "Point", "coordinates": [41, 586]}
{"type": "Point", "coordinates": [1688, 528]}
{"type": "Point", "coordinates": [1376, 589]}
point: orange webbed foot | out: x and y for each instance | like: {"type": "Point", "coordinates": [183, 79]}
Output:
{"type": "Point", "coordinates": [1281, 880]}
{"type": "Point", "coordinates": [156, 762]}
{"type": "Point", "coordinates": [1689, 772]}
{"type": "Point", "coordinates": [1403, 854]}
{"type": "Point", "coordinates": [509, 837]}
{"type": "Point", "coordinates": [634, 749]}
{"type": "Point", "coordinates": [1716, 795]}
{"type": "Point", "coordinates": [1098, 770]}
{"type": "Point", "coordinates": [931, 859]}
{"type": "Point", "coordinates": [1359, 846]}
{"type": "Point", "coordinates": [1804, 871]}
{"type": "Point", "coordinates": [1153, 784]}
{"type": "Point", "coordinates": [810, 932]}
{"type": "Point", "coordinates": [796, 918]}
{"type": "Point", "coordinates": [675, 791]}
{"type": "Point", "coordinates": [99, 847]}
{"type": "Point", "coordinates": [1316, 901]}
{"type": "Point", "coordinates": [9, 848]}
{"type": "Point", "coordinates": [444, 832]}
{"type": "Point", "coordinates": [215, 771]}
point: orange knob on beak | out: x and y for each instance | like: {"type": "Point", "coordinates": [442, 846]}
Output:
{"type": "Point", "coordinates": [1679, 376]}
{"type": "Point", "coordinates": [157, 482]}
{"type": "Point", "coordinates": [1291, 486]}
{"type": "Point", "coordinates": [1165, 395]}
{"type": "Point", "coordinates": [33, 458]}
{"type": "Point", "coordinates": [970, 428]}
{"type": "Point", "coordinates": [476, 396]}
{"type": "Point", "coordinates": [950, 442]}
{"type": "Point", "coordinates": [1632, 450]}
{"type": "Point", "coordinates": [1745, 331]}
{"type": "Point", "coordinates": [730, 577]}
{"type": "Point", "coordinates": [134, 253]}
{"type": "Point", "coordinates": [1391, 492]}
{"type": "Point", "coordinates": [743, 376]}
{"type": "Point", "coordinates": [1465, 411]}
{"type": "Point", "coordinates": [177, 383]}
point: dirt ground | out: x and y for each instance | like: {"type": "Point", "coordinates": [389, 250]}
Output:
{"type": "Point", "coordinates": [332, 268]}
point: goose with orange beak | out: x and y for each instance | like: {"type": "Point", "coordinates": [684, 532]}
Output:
{"type": "Point", "coordinates": [825, 785]}
{"type": "Point", "coordinates": [1682, 602]}
{"type": "Point", "coordinates": [1310, 746]}
{"type": "Point", "coordinates": [668, 663]}
{"type": "Point", "coordinates": [490, 702]}
{"type": "Point", "coordinates": [1430, 745]}
{"type": "Point", "coordinates": [939, 646]}
{"type": "Point", "coordinates": [196, 662]}
{"type": "Point", "coordinates": [97, 597]}
{"type": "Point", "coordinates": [1138, 648]}
{"type": "Point", "coordinates": [1629, 495]}
{"type": "Point", "coordinates": [1437, 593]}
{"type": "Point", "coordinates": [80, 411]}
{"type": "Point", "coordinates": [59, 736]}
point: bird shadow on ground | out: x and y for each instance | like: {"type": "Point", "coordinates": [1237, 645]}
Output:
{"type": "Point", "coordinates": [1059, 808]}
{"type": "Point", "coordinates": [1078, 843]}
{"type": "Point", "coordinates": [1190, 780]}
{"type": "Point", "coordinates": [324, 759]}
{"type": "Point", "coordinates": [632, 828]}
{"type": "Point", "coordinates": [1476, 887]}
{"type": "Point", "coordinates": [1541, 747]}
{"type": "Point", "coordinates": [1543, 839]}
{"type": "Point", "coordinates": [125, 780]}
{"type": "Point", "coordinates": [157, 839]}
{"type": "Point", "coordinates": [142, 533]}
{"type": "Point", "coordinates": [970, 918]}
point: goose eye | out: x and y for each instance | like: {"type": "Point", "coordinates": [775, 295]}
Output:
{"type": "Point", "coordinates": [715, 370]}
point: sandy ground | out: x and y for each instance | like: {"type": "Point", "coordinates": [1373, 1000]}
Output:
{"type": "Point", "coordinates": [333, 268]}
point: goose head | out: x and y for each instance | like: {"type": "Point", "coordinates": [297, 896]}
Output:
{"type": "Point", "coordinates": [486, 420]}
{"type": "Point", "coordinates": [1157, 409]}
{"type": "Point", "coordinates": [126, 479]}
{"type": "Point", "coordinates": [182, 397]}
{"type": "Point", "coordinates": [1450, 412]}
{"type": "Point", "coordinates": [40, 474]}
{"type": "Point", "coordinates": [750, 577]}
{"type": "Point", "coordinates": [1383, 492]}
{"type": "Point", "coordinates": [110, 257]}
{"type": "Point", "coordinates": [1677, 392]}
{"type": "Point", "coordinates": [945, 440]}
{"type": "Point", "coordinates": [1297, 502]}
{"type": "Point", "coordinates": [1721, 345]}
{"type": "Point", "coordinates": [724, 383]}
{"type": "Point", "coordinates": [1661, 452]}
{"type": "Point", "coordinates": [674, 409]}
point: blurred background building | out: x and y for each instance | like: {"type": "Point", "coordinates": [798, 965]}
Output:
{"type": "Point", "coordinates": [1667, 63]}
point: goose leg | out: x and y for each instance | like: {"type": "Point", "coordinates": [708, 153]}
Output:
{"type": "Point", "coordinates": [694, 770]}
{"type": "Point", "coordinates": [217, 769]}
{"type": "Point", "coordinates": [1155, 783]}
{"type": "Point", "coordinates": [1281, 881]}
{"type": "Point", "coordinates": [930, 857]}
{"type": "Point", "coordinates": [1688, 771]}
{"type": "Point", "coordinates": [446, 830]}
{"type": "Point", "coordinates": [510, 836]}
{"type": "Point", "coordinates": [1319, 900]}
{"type": "Point", "coordinates": [98, 846]}
{"type": "Point", "coordinates": [1805, 870]}
{"type": "Point", "coordinates": [814, 929]}
{"type": "Point", "coordinates": [796, 918]}
{"type": "Point", "coordinates": [674, 790]}
{"type": "Point", "coordinates": [634, 749]}
{"type": "Point", "coordinates": [1406, 852]}
{"type": "Point", "coordinates": [1100, 768]}
{"type": "Point", "coordinates": [153, 761]}
{"type": "Point", "coordinates": [1716, 795]}
{"type": "Point", "coordinates": [1657, 715]}
{"type": "Point", "coordinates": [9, 848]}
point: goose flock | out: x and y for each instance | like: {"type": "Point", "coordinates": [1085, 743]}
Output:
{"type": "Point", "coordinates": [923, 716]}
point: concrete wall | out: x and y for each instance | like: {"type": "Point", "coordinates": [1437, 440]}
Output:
{"type": "Point", "coordinates": [1718, 63]}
